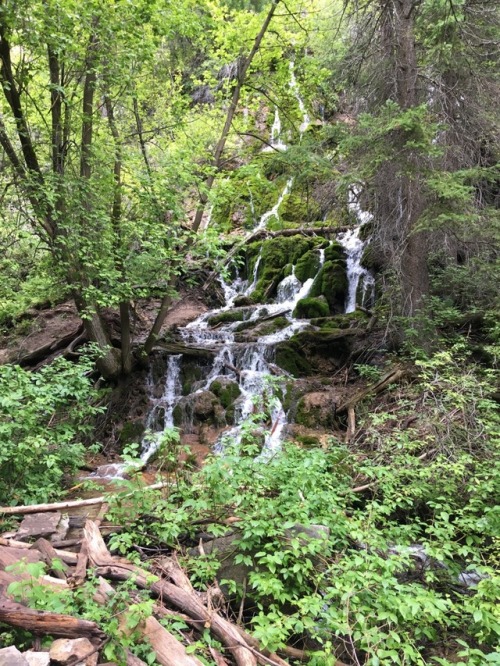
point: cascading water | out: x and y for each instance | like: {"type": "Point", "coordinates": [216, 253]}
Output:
{"type": "Point", "coordinates": [247, 364]}
{"type": "Point", "coordinates": [160, 416]}
{"type": "Point", "coordinates": [354, 247]}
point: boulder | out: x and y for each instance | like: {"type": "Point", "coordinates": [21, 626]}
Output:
{"type": "Point", "coordinates": [309, 308]}
{"type": "Point", "coordinates": [37, 658]}
{"type": "Point", "coordinates": [316, 409]}
{"type": "Point", "coordinates": [10, 656]}
{"type": "Point", "coordinates": [65, 651]}
{"type": "Point", "coordinates": [226, 389]}
{"type": "Point", "coordinates": [36, 525]}
{"type": "Point", "coordinates": [197, 408]}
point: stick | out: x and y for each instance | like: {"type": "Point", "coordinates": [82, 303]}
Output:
{"type": "Point", "coordinates": [37, 508]}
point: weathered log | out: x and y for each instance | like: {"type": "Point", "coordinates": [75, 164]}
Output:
{"type": "Point", "coordinates": [34, 508]}
{"type": "Point", "coordinates": [46, 623]}
{"type": "Point", "coordinates": [188, 602]}
{"type": "Point", "coordinates": [49, 555]}
{"type": "Point", "coordinates": [44, 350]}
{"type": "Point", "coordinates": [168, 650]}
{"type": "Point", "coordinates": [80, 573]}
{"type": "Point", "coordinates": [186, 350]}
{"type": "Point", "coordinates": [64, 555]}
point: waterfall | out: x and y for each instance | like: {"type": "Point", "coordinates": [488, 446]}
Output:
{"type": "Point", "coordinates": [354, 247]}
{"type": "Point", "coordinates": [306, 120]}
{"type": "Point", "coordinates": [246, 364]}
{"type": "Point", "coordinates": [163, 408]}
{"type": "Point", "coordinates": [274, 210]}
{"type": "Point", "coordinates": [275, 142]}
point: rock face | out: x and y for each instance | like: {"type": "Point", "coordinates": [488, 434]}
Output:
{"type": "Point", "coordinates": [11, 656]}
{"type": "Point", "coordinates": [66, 651]}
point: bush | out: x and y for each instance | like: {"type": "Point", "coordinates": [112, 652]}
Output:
{"type": "Point", "coordinates": [43, 417]}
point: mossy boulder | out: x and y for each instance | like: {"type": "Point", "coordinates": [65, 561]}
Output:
{"type": "Point", "coordinates": [131, 432]}
{"type": "Point", "coordinates": [340, 321]}
{"type": "Point", "coordinates": [335, 344]}
{"type": "Point", "coordinates": [308, 308]}
{"type": "Point", "coordinates": [331, 283]}
{"type": "Point", "coordinates": [243, 301]}
{"type": "Point", "coordinates": [316, 409]}
{"type": "Point", "coordinates": [226, 390]}
{"type": "Point", "coordinates": [291, 358]}
{"type": "Point", "coordinates": [227, 317]}
{"type": "Point", "coordinates": [196, 408]}
{"type": "Point", "coordinates": [308, 441]}
{"type": "Point", "coordinates": [307, 266]}
{"type": "Point", "coordinates": [277, 257]}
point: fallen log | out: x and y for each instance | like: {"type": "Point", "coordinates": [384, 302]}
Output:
{"type": "Point", "coordinates": [64, 555]}
{"type": "Point", "coordinates": [180, 598]}
{"type": "Point", "coordinates": [34, 508]}
{"type": "Point", "coordinates": [168, 650]}
{"type": "Point", "coordinates": [186, 350]}
{"type": "Point", "coordinates": [49, 555]}
{"type": "Point", "coordinates": [46, 623]}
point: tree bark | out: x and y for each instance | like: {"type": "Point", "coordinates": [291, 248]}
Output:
{"type": "Point", "coordinates": [45, 623]}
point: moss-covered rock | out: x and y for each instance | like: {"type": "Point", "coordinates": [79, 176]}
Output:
{"type": "Point", "coordinates": [227, 317]}
{"type": "Point", "coordinates": [290, 357]}
{"type": "Point", "coordinates": [331, 283]}
{"type": "Point", "coordinates": [192, 372]}
{"type": "Point", "coordinates": [308, 308]}
{"type": "Point", "coordinates": [340, 321]}
{"type": "Point", "coordinates": [131, 432]}
{"type": "Point", "coordinates": [197, 408]}
{"type": "Point", "coordinates": [307, 266]}
{"type": "Point", "coordinates": [277, 255]}
{"type": "Point", "coordinates": [242, 301]}
{"type": "Point", "coordinates": [316, 409]}
{"type": "Point", "coordinates": [333, 344]}
{"type": "Point", "coordinates": [308, 441]}
{"type": "Point", "coordinates": [226, 390]}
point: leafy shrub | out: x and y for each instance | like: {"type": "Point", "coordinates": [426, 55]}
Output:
{"type": "Point", "coordinates": [43, 417]}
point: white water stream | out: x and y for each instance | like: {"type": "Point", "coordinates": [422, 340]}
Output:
{"type": "Point", "coordinates": [354, 247]}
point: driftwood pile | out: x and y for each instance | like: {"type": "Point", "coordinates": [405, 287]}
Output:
{"type": "Point", "coordinates": [166, 582]}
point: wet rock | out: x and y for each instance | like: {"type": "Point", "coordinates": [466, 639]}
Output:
{"type": "Point", "coordinates": [226, 389]}
{"type": "Point", "coordinates": [309, 308]}
{"type": "Point", "coordinates": [197, 408]}
{"type": "Point", "coordinates": [37, 525]}
{"type": "Point", "coordinates": [68, 651]}
{"type": "Point", "coordinates": [10, 656]}
{"type": "Point", "coordinates": [228, 316]}
{"type": "Point", "coordinates": [243, 301]}
{"type": "Point", "coordinates": [291, 358]}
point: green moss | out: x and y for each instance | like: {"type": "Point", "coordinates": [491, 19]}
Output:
{"type": "Point", "coordinates": [334, 344]}
{"type": "Point", "coordinates": [331, 283]}
{"type": "Point", "coordinates": [226, 317]}
{"type": "Point", "coordinates": [335, 252]}
{"type": "Point", "coordinates": [307, 308]}
{"type": "Point", "coordinates": [132, 431]}
{"type": "Point", "coordinates": [290, 357]}
{"type": "Point", "coordinates": [340, 321]}
{"type": "Point", "coordinates": [307, 266]}
{"type": "Point", "coordinates": [268, 328]}
{"type": "Point", "coordinates": [226, 390]}
{"type": "Point", "coordinates": [308, 441]}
